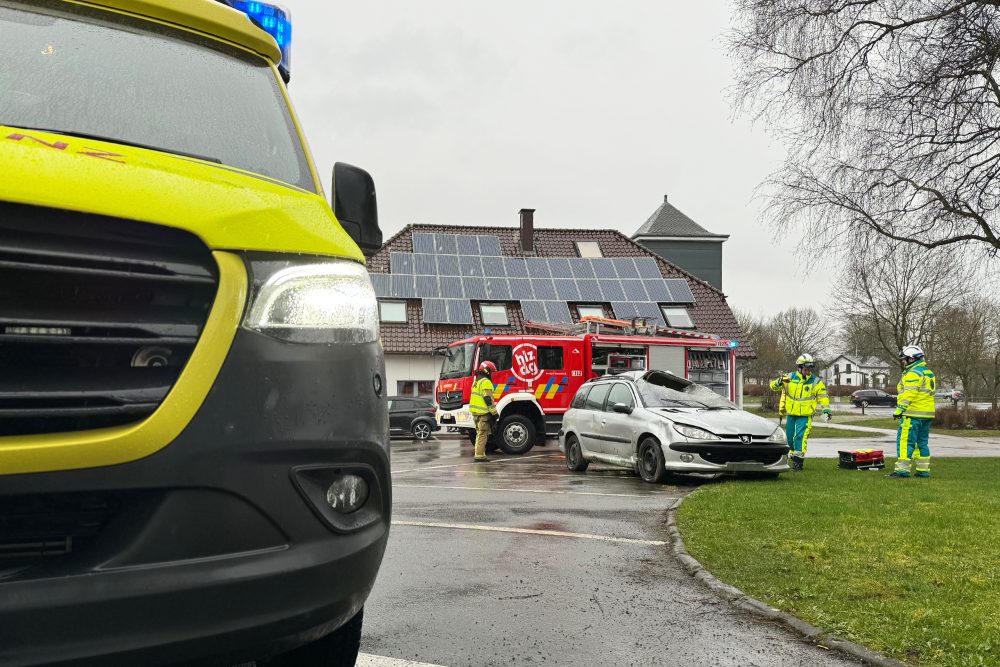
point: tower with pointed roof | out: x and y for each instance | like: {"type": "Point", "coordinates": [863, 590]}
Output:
{"type": "Point", "coordinates": [681, 241]}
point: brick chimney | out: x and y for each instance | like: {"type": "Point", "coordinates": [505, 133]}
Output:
{"type": "Point", "coordinates": [527, 230]}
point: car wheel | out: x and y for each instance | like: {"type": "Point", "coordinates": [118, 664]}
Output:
{"type": "Point", "coordinates": [421, 430]}
{"type": "Point", "coordinates": [471, 433]}
{"type": "Point", "coordinates": [338, 649]}
{"type": "Point", "coordinates": [574, 455]}
{"type": "Point", "coordinates": [517, 434]}
{"type": "Point", "coordinates": [650, 463]}
{"type": "Point", "coordinates": [864, 404]}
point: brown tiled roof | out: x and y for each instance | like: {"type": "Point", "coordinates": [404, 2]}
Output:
{"type": "Point", "coordinates": [710, 312]}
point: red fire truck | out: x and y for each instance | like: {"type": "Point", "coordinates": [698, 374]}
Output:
{"type": "Point", "coordinates": [538, 375]}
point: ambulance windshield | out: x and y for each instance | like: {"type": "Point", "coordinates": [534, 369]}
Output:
{"type": "Point", "coordinates": [90, 73]}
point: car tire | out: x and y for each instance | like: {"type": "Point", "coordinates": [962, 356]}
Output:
{"type": "Point", "coordinates": [421, 430]}
{"type": "Point", "coordinates": [574, 455]}
{"type": "Point", "coordinates": [471, 433]}
{"type": "Point", "coordinates": [650, 464]}
{"type": "Point", "coordinates": [864, 404]}
{"type": "Point", "coordinates": [338, 649]}
{"type": "Point", "coordinates": [516, 434]}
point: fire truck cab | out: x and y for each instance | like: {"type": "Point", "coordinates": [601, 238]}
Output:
{"type": "Point", "coordinates": [538, 374]}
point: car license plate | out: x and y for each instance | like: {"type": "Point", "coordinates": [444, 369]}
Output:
{"type": "Point", "coordinates": [745, 467]}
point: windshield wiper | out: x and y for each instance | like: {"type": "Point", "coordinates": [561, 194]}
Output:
{"type": "Point", "coordinates": [115, 140]}
{"type": "Point", "coordinates": [719, 407]}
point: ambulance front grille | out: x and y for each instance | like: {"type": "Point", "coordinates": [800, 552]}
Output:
{"type": "Point", "coordinates": [98, 317]}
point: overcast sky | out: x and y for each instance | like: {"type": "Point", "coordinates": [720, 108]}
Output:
{"type": "Point", "coordinates": [589, 112]}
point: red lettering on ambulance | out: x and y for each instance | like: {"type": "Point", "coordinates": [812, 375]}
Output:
{"type": "Point", "coordinates": [58, 145]}
{"type": "Point", "coordinates": [104, 155]}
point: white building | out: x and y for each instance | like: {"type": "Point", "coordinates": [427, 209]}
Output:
{"type": "Point", "coordinates": [856, 371]}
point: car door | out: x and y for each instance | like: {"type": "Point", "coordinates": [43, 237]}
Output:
{"type": "Point", "coordinates": [590, 423]}
{"type": "Point", "coordinates": [617, 427]}
{"type": "Point", "coordinates": [399, 414]}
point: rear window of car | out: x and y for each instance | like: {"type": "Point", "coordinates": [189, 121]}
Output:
{"type": "Point", "coordinates": [581, 397]}
{"type": "Point", "coordinates": [595, 399]}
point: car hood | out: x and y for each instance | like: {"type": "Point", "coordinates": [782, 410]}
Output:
{"type": "Point", "coordinates": [720, 422]}
{"type": "Point", "coordinates": [229, 209]}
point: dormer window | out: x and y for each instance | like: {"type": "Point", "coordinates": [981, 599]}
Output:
{"type": "Point", "coordinates": [588, 249]}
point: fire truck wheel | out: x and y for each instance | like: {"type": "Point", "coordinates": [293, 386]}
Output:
{"type": "Point", "coordinates": [574, 457]}
{"type": "Point", "coordinates": [516, 434]}
{"type": "Point", "coordinates": [651, 461]}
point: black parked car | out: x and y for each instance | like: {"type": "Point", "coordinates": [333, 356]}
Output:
{"type": "Point", "coordinates": [866, 397]}
{"type": "Point", "coordinates": [409, 415]}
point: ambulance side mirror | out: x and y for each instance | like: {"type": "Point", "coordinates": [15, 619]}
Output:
{"type": "Point", "coordinates": [622, 408]}
{"type": "Point", "coordinates": [355, 206]}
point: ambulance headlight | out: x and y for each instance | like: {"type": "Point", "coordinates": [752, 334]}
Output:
{"type": "Point", "coordinates": [316, 302]}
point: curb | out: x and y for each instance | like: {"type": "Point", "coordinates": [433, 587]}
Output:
{"type": "Point", "coordinates": [740, 600]}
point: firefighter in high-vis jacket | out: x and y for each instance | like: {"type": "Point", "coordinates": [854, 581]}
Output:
{"type": "Point", "coordinates": [803, 391]}
{"type": "Point", "coordinates": [482, 408]}
{"type": "Point", "coordinates": [915, 412]}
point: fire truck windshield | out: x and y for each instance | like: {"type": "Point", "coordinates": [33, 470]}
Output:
{"type": "Point", "coordinates": [458, 361]}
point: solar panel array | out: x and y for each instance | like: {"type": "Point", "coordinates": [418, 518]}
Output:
{"type": "Point", "coordinates": [447, 271]}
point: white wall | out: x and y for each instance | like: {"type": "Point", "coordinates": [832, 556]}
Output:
{"type": "Point", "coordinates": [412, 367]}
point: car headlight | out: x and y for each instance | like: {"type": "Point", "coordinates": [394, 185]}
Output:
{"type": "Point", "coordinates": [694, 432]}
{"type": "Point", "coordinates": [316, 302]}
{"type": "Point", "coordinates": [777, 436]}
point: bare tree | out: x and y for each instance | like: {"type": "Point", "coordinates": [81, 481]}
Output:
{"type": "Point", "coordinates": [763, 337]}
{"type": "Point", "coordinates": [802, 330]}
{"type": "Point", "coordinates": [893, 296]}
{"type": "Point", "coordinates": [989, 370]}
{"type": "Point", "coordinates": [890, 109]}
{"type": "Point", "coordinates": [962, 334]}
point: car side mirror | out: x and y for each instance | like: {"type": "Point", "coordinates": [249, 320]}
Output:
{"type": "Point", "coordinates": [355, 206]}
{"type": "Point", "coordinates": [622, 408]}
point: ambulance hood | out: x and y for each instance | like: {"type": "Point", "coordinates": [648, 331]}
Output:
{"type": "Point", "coordinates": [228, 208]}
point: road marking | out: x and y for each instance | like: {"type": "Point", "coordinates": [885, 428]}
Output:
{"type": "Point", "coordinates": [529, 531]}
{"type": "Point", "coordinates": [564, 493]}
{"type": "Point", "coordinates": [470, 463]}
{"type": "Point", "coordinates": [368, 660]}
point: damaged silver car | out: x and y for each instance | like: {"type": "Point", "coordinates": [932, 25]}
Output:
{"type": "Point", "coordinates": [655, 423]}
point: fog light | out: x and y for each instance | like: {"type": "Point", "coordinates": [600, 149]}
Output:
{"type": "Point", "coordinates": [347, 494]}
{"type": "Point", "coordinates": [687, 458]}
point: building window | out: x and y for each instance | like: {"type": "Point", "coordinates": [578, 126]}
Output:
{"type": "Point", "coordinates": [588, 249]}
{"type": "Point", "coordinates": [590, 311]}
{"type": "Point", "coordinates": [415, 388]}
{"type": "Point", "coordinates": [836, 369]}
{"type": "Point", "coordinates": [848, 368]}
{"type": "Point", "coordinates": [493, 313]}
{"type": "Point", "coordinates": [392, 311]}
{"type": "Point", "coordinates": [677, 317]}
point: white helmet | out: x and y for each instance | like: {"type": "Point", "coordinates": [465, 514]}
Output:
{"type": "Point", "coordinates": [805, 360]}
{"type": "Point", "coordinates": [912, 351]}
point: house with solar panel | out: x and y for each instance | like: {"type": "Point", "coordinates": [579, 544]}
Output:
{"type": "Point", "coordinates": [437, 284]}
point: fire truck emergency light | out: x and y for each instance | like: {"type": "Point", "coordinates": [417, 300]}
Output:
{"type": "Point", "coordinates": [276, 21]}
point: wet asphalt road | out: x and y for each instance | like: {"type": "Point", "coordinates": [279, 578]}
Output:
{"type": "Point", "coordinates": [454, 591]}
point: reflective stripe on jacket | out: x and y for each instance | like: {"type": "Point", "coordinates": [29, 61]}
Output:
{"type": "Point", "coordinates": [916, 391]}
{"type": "Point", "coordinates": [481, 401]}
{"type": "Point", "coordinates": [802, 394]}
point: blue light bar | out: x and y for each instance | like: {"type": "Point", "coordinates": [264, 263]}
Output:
{"type": "Point", "coordinates": [276, 21]}
{"type": "Point", "coordinates": [734, 344]}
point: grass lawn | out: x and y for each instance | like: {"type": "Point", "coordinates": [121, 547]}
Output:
{"type": "Point", "coordinates": [888, 422]}
{"type": "Point", "coordinates": [908, 567]}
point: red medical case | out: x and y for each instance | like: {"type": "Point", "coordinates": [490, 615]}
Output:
{"type": "Point", "coordinates": [862, 459]}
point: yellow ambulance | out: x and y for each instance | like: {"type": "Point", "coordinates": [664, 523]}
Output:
{"type": "Point", "coordinates": [194, 463]}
